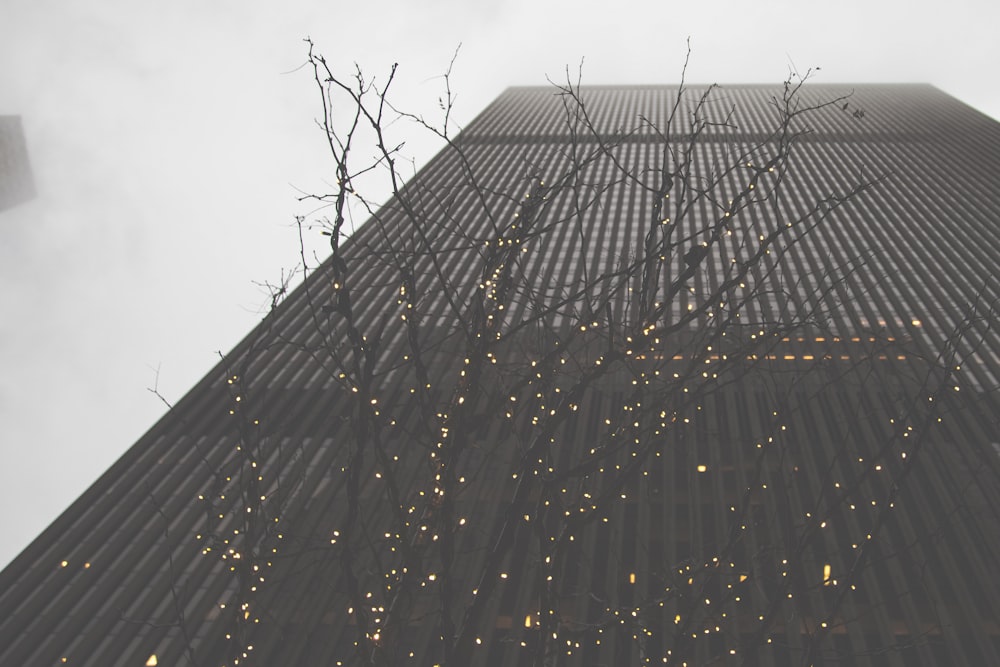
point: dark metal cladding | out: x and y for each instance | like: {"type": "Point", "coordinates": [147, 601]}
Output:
{"type": "Point", "coordinates": [122, 578]}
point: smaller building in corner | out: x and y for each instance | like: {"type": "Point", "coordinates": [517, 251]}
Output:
{"type": "Point", "coordinates": [16, 184]}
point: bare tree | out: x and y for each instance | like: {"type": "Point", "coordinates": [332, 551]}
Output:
{"type": "Point", "coordinates": [532, 401]}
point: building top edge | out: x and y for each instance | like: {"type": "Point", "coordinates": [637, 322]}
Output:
{"type": "Point", "coordinates": [837, 111]}
{"type": "Point", "coordinates": [674, 86]}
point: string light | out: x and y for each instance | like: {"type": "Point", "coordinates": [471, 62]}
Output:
{"type": "Point", "coordinates": [604, 479]}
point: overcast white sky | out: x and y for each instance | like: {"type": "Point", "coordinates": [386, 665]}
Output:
{"type": "Point", "coordinates": [169, 142]}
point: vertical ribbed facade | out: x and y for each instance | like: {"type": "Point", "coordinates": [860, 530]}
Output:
{"type": "Point", "coordinates": [804, 468]}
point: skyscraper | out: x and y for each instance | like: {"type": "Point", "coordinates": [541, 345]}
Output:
{"type": "Point", "coordinates": [16, 185]}
{"type": "Point", "coordinates": [617, 378]}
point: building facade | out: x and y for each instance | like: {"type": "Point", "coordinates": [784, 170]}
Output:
{"type": "Point", "coordinates": [16, 183]}
{"type": "Point", "coordinates": [621, 377]}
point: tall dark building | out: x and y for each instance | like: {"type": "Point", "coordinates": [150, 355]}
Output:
{"type": "Point", "coordinates": [16, 184]}
{"type": "Point", "coordinates": [642, 381]}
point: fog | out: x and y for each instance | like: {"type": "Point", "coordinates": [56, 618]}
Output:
{"type": "Point", "coordinates": [170, 144]}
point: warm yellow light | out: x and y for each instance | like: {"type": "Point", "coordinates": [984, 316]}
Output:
{"type": "Point", "coordinates": [827, 570]}
{"type": "Point", "coordinates": [527, 621]}
{"type": "Point", "coordinates": [631, 577]}
{"type": "Point", "coordinates": [152, 662]}
{"type": "Point", "coordinates": [702, 468]}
